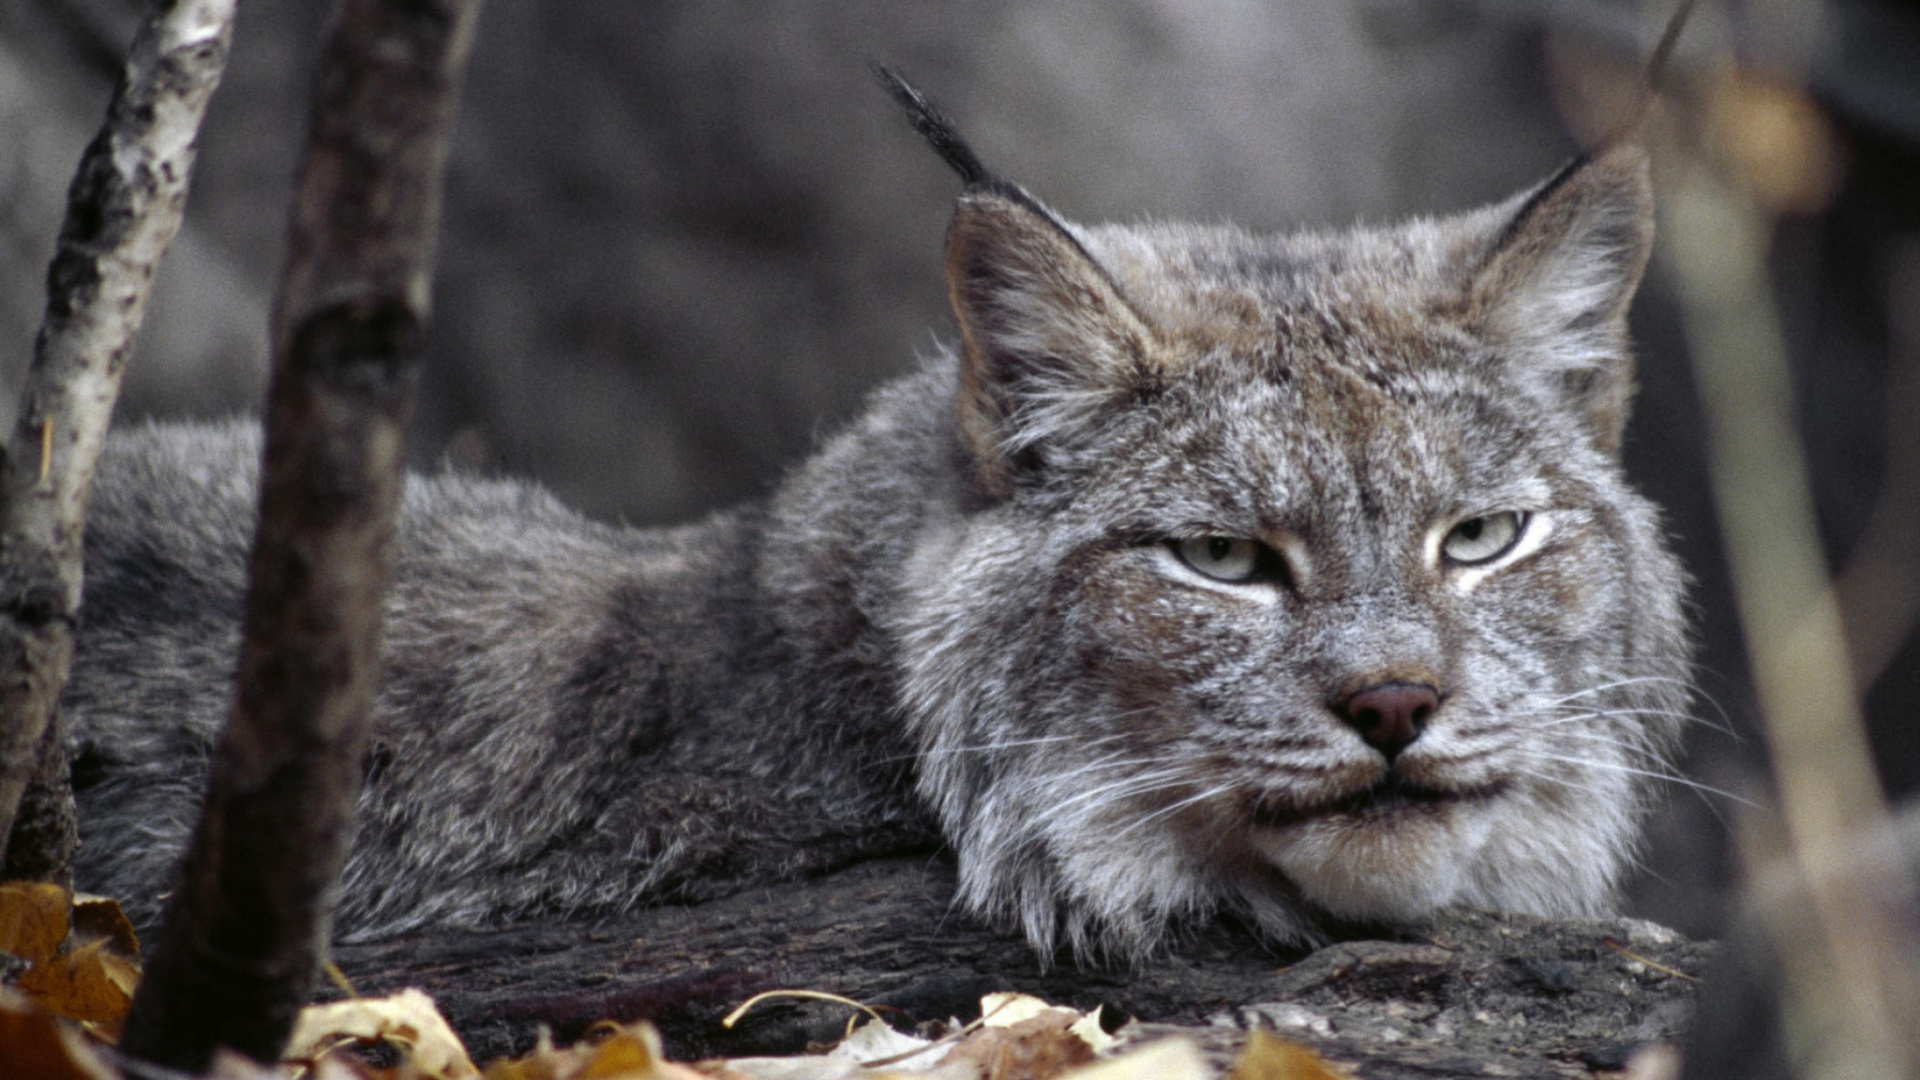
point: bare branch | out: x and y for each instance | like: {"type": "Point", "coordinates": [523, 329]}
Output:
{"type": "Point", "coordinates": [246, 927]}
{"type": "Point", "coordinates": [122, 210]}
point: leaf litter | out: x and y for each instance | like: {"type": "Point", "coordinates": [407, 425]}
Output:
{"type": "Point", "coordinates": [74, 964]}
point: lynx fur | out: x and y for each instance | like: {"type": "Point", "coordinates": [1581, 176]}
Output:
{"type": "Point", "coordinates": [1288, 575]}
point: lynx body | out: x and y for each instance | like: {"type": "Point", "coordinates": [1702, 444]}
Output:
{"type": "Point", "coordinates": [1289, 575]}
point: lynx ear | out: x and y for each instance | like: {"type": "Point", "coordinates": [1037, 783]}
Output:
{"type": "Point", "coordinates": [1048, 340]}
{"type": "Point", "coordinates": [1554, 285]}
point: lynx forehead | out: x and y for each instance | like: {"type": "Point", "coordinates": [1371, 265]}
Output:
{"type": "Point", "coordinates": [1288, 575]}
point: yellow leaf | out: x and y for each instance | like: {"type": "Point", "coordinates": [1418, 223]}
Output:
{"type": "Point", "coordinates": [1270, 1057]}
{"type": "Point", "coordinates": [87, 983]}
{"type": "Point", "coordinates": [100, 917]}
{"type": "Point", "coordinates": [625, 1054]}
{"type": "Point", "coordinates": [34, 918]}
{"type": "Point", "coordinates": [85, 959]}
{"type": "Point", "coordinates": [632, 1053]}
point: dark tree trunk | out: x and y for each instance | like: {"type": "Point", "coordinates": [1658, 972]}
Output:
{"type": "Point", "coordinates": [247, 925]}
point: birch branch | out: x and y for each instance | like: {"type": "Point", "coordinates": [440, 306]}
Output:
{"type": "Point", "coordinates": [124, 207]}
{"type": "Point", "coordinates": [247, 925]}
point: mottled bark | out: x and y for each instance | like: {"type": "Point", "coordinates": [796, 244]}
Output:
{"type": "Point", "coordinates": [122, 210]}
{"type": "Point", "coordinates": [247, 925]}
{"type": "Point", "coordinates": [45, 831]}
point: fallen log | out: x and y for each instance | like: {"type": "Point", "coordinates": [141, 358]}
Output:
{"type": "Point", "coordinates": [1475, 994]}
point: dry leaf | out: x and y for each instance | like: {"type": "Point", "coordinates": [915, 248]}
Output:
{"type": "Point", "coordinates": [36, 1043]}
{"type": "Point", "coordinates": [86, 960]}
{"type": "Point", "coordinates": [34, 917]}
{"type": "Point", "coordinates": [90, 983]}
{"type": "Point", "coordinates": [1022, 1038]}
{"type": "Point", "coordinates": [874, 1041]}
{"type": "Point", "coordinates": [1093, 1033]}
{"type": "Point", "coordinates": [101, 917]}
{"type": "Point", "coordinates": [1168, 1059]}
{"type": "Point", "coordinates": [628, 1052]}
{"type": "Point", "coordinates": [622, 1055]}
{"type": "Point", "coordinates": [631, 1053]}
{"type": "Point", "coordinates": [1007, 1008]}
{"type": "Point", "coordinates": [1270, 1057]}
{"type": "Point", "coordinates": [902, 1056]}
{"type": "Point", "coordinates": [408, 1021]}
{"type": "Point", "coordinates": [1019, 1037]}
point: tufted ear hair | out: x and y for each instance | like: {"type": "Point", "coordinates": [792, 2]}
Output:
{"type": "Point", "coordinates": [1552, 286]}
{"type": "Point", "coordinates": [1048, 340]}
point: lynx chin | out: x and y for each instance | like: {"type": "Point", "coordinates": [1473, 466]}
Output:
{"type": "Point", "coordinates": [1288, 575]}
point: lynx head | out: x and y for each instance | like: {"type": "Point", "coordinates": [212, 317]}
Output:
{"type": "Point", "coordinates": [1298, 574]}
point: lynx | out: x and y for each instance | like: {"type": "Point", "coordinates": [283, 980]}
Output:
{"type": "Point", "coordinates": [1293, 576]}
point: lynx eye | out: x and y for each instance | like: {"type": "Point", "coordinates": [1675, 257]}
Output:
{"type": "Point", "coordinates": [1484, 539]}
{"type": "Point", "coordinates": [1223, 558]}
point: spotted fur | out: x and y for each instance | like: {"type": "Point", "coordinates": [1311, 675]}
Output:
{"type": "Point", "coordinates": [968, 619]}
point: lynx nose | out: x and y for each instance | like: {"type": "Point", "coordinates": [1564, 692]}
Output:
{"type": "Point", "coordinates": [1390, 715]}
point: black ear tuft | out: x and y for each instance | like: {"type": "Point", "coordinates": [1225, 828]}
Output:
{"type": "Point", "coordinates": [936, 129]}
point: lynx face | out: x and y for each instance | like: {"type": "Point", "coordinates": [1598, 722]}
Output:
{"type": "Point", "coordinates": [1316, 589]}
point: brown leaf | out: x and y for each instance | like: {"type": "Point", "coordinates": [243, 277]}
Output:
{"type": "Point", "coordinates": [1040, 1047]}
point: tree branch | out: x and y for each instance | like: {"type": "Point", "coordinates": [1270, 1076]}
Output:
{"type": "Point", "coordinates": [124, 206]}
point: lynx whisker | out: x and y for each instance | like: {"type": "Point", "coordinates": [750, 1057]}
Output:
{"type": "Point", "coordinates": [1666, 775]}
{"type": "Point", "coordinates": [1568, 714]}
{"type": "Point", "coordinates": [1125, 787]}
{"type": "Point", "coordinates": [944, 750]}
{"type": "Point", "coordinates": [1633, 743]}
{"type": "Point", "coordinates": [1623, 683]}
{"type": "Point", "coordinates": [1175, 807]}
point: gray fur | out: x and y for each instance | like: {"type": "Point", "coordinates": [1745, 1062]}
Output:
{"type": "Point", "coordinates": [964, 619]}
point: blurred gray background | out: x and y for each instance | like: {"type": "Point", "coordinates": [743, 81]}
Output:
{"type": "Point", "coordinates": [684, 238]}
